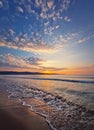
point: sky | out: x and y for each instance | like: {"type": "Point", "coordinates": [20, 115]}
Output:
{"type": "Point", "coordinates": [49, 36]}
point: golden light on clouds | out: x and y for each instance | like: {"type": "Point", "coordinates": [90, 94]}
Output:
{"type": "Point", "coordinates": [80, 71]}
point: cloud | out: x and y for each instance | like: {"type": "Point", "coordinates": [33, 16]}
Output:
{"type": "Point", "coordinates": [41, 22]}
{"type": "Point", "coordinates": [85, 39]}
{"type": "Point", "coordinates": [1, 4]}
{"type": "Point", "coordinates": [46, 23]}
{"type": "Point", "coordinates": [50, 4]}
{"type": "Point", "coordinates": [10, 60]}
{"type": "Point", "coordinates": [30, 10]}
{"type": "Point", "coordinates": [11, 31]}
{"type": "Point", "coordinates": [57, 27]}
{"type": "Point", "coordinates": [4, 4]}
{"type": "Point", "coordinates": [50, 30]}
{"type": "Point", "coordinates": [33, 60]}
{"type": "Point", "coordinates": [38, 2]}
{"type": "Point", "coordinates": [73, 38]}
{"type": "Point", "coordinates": [67, 19]}
{"type": "Point", "coordinates": [68, 38]}
{"type": "Point", "coordinates": [20, 9]}
{"type": "Point", "coordinates": [30, 47]}
{"type": "Point", "coordinates": [43, 15]}
{"type": "Point", "coordinates": [50, 9]}
{"type": "Point", "coordinates": [54, 69]}
{"type": "Point", "coordinates": [65, 4]}
{"type": "Point", "coordinates": [37, 44]}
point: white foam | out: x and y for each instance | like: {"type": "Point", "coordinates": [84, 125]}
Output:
{"type": "Point", "coordinates": [43, 115]}
{"type": "Point", "coordinates": [59, 104]}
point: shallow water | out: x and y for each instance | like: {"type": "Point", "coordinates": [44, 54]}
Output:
{"type": "Point", "coordinates": [78, 89]}
{"type": "Point", "coordinates": [49, 95]}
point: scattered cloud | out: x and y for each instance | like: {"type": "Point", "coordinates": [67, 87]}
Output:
{"type": "Point", "coordinates": [10, 60]}
{"type": "Point", "coordinates": [67, 19]}
{"type": "Point", "coordinates": [1, 4]}
{"type": "Point", "coordinates": [12, 32]}
{"type": "Point", "coordinates": [27, 63]}
{"type": "Point", "coordinates": [30, 47]}
{"type": "Point", "coordinates": [50, 4]}
{"type": "Point", "coordinates": [54, 69]}
{"type": "Point", "coordinates": [38, 26]}
{"type": "Point", "coordinates": [4, 4]}
{"type": "Point", "coordinates": [37, 44]}
{"type": "Point", "coordinates": [20, 9]}
{"type": "Point", "coordinates": [50, 30]}
{"type": "Point", "coordinates": [43, 23]}
{"type": "Point", "coordinates": [85, 39]}
{"type": "Point", "coordinates": [65, 4]}
{"type": "Point", "coordinates": [33, 60]}
{"type": "Point", "coordinates": [38, 3]}
{"type": "Point", "coordinates": [57, 27]}
{"type": "Point", "coordinates": [68, 38]}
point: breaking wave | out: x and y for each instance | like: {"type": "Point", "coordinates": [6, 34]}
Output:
{"type": "Point", "coordinates": [59, 113]}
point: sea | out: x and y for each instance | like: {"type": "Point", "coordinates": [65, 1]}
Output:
{"type": "Point", "coordinates": [78, 89]}
{"type": "Point", "coordinates": [54, 90]}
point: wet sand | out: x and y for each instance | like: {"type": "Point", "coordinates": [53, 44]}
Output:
{"type": "Point", "coordinates": [14, 116]}
{"type": "Point", "coordinates": [60, 113]}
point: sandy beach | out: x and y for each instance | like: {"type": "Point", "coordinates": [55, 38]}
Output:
{"type": "Point", "coordinates": [23, 108]}
{"type": "Point", "coordinates": [14, 116]}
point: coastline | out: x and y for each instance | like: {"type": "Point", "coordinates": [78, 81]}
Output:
{"type": "Point", "coordinates": [33, 103]}
{"type": "Point", "coordinates": [14, 116]}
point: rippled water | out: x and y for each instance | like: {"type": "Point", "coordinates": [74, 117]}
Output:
{"type": "Point", "coordinates": [78, 89]}
{"type": "Point", "coordinates": [56, 97]}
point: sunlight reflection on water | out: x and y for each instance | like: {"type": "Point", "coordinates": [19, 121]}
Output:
{"type": "Point", "coordinates": [80, 93]}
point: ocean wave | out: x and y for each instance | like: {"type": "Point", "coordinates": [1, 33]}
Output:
{"type": "Point", "coordinates": [65, 80]}
{"type": "Point", "coordinates": [59, 113]}
{"type": "Point", "coordinates": [58, 79]}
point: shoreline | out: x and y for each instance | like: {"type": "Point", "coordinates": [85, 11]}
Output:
{"type": "Point", "coordinates": [14, 116]}
{"type": "Point", "coordinates": [57, 111]}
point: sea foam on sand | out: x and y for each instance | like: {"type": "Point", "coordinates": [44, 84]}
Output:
{"type": "Point", "coordinates": [59, 113]}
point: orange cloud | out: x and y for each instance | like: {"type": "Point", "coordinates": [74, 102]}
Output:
{"type": "Point", "coordinates": [79, 71]}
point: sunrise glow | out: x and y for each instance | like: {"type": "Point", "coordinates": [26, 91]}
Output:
{"type": "Point", "coordinates": [54, 36]}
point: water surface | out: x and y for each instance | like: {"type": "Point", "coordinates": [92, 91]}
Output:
{"type": "Point", "coordinates": [78, 89]}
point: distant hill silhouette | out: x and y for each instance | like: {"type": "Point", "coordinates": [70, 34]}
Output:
{"type": "Point", "coordinates": [17, 73]}
{"type": "Point", "coordinates": [22, 73]}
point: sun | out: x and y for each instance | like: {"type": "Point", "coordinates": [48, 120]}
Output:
{"type": "Point", "coordinates": [47, 72]}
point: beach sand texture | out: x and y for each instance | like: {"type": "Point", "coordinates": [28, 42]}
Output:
{"type": "Point", "coordinates": [14, 116]}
